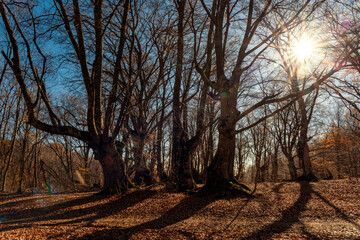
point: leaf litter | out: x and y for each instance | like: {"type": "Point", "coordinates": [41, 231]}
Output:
{"type": "Point", "coordinates": [284, 210]}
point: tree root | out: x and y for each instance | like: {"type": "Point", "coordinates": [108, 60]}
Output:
{"type": "Point", "coordinates": [227, 189]}
{"type": "Point", "coordinates": [310, 178]}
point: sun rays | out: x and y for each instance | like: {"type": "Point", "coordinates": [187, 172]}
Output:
{"type": "Point", "coordinates": [304, 49]}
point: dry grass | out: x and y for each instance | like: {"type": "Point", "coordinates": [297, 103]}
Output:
{"type": "Point", "coordinates": [322, 210]}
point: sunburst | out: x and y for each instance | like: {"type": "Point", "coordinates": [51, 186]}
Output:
{"type": "Point", "coordinates": [304, 49]}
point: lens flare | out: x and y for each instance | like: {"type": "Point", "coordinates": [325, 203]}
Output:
{"type": "Point", "coordinates": [304, 48]}
{"type": "Point", "coordinates": [79, 177]}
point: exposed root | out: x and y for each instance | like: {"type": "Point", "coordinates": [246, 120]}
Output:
{"type": "Point", "coordinates": [187, 188]}
{"type": "Point", "coordinates": [310, 178]}
{"type": "Point", "coordinates": [227, 189]}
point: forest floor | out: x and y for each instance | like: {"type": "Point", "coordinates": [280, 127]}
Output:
{"type": "Point", "coordinates": [286, 210]}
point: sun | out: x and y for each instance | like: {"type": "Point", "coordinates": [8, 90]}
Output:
{"type": "Point", "coordinates": [304, 49]}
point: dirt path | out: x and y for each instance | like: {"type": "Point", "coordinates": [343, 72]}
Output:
{"type": "Point", "coordinates": [323, 210]}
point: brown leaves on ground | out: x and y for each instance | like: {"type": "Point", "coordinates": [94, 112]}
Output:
{"type": "Point", "coordinates": [287, 210]}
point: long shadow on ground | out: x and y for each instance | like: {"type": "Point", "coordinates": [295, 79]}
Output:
{"type": "Point", "coordinates": [21, 216]}
{"type": "Point", "coordinates": [292, 215]}
{"type": "Point", "coordinates": [85, 215]}
{"type": "Point", "coordinates": [289, 217]}
{"type": "Point", "coordinates": [182, 211]}
{"type": "Point", "coordinates": [11, 197]}
{"type": "Point", "coordinates": [337, 210]}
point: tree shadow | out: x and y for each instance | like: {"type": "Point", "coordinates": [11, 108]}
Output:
{"type": "Point", "coordinates": [289, 217]}
{"type": "Point", "coordinates": [85, 215]}
{"type": "Point", "coordinates": [10, 196]}
{"type": "Point", "coordinates": [292, 215]}
{"type": "Point", "coordinates": [12, 202]}
{"type": "Point", "coordinates": [182, 211]}
{"type": "Point", "coordinates": [237, 213]}
{"type": "Point", "coordinates": [20, 216]}
{"type": "Point", "coordinates": [338, 210]}
{"type": "Point", "coordinates": [277, 188]}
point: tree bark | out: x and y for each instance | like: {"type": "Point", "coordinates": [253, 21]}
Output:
{"type": "Point", "coordinates": [303, 146]}
{"type": "Point", "coordinates": [159, 165]}
{"type": "Point", "coordinates": [292, 167]}
{"type": "Point", "coordinates": [116, 180]}
{"type": "Point", "coordinates": [221, 172]}
{"type": "Point", "coordinates": [142, 173]}
{"type": "Point", "coordinates": [275, 164]}
{"type": "Point", "coordinates": [23, 157]}
{"type": "Point", "coordinates": [181, 176]}
{"type": "Point", "coordinates": [9, 155]}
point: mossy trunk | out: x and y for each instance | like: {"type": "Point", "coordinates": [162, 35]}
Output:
{"type": "Point", "coordinates": [116, 180]}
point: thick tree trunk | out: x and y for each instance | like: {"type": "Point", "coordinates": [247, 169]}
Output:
{"type": "Point", "coordinates": [221, 172]}
{"type": "Point", "coordinates": [210, 143]}
{"type": "Point", "coordinates": [303, 147]}
{"type": "Point", "coordinates": [115, 178]}
{"type": "Point", "coordinates": [142, 173]}
{"type": "Point", "coordinates": [292, 168]}
{"type": "Point", "coordinates": [180, 176]}
{"type": "Point", "coordinates": [304, 156]}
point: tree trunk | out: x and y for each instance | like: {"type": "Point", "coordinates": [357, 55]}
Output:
{"type": "Point", "coordinates": [9, 155]}
{"type": "Point", "coordinates": [159, 165]}
{"type": "Point", "coordinates": [303, 147]}
{"type": "Point", "coordinates": [210, 143]}
{"type": "Point", "coordinates": [181, 176]}
{"type": "Point", "coordinates": [142, 173]}
{"type": "Point", "coordinates": [292, 167]}
{"type": "Point", "coordinates": [275, 164]}
{"type": "Point", "coordinates": [115, 178]}
{"type": "Point", "coordinates": [35, 177]}
{"type": "Point", "coordinates": [87, 165]}
{"type": "Point", "coordinates": [220, 172]}
{"type": "Point", "coordinates": [22, 157]}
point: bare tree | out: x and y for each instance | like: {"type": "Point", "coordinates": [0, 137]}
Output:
{"type": "Point", "coordinates": [104, 117]}
{"type": "Point", "coordinates": [230, 80]}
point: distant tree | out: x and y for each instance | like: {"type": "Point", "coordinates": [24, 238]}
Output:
{"type": "Point", "coordinates": [337, 151]}
{"type": "Point", "coordinates": [286, 132]}
{"type": "Point", "coordinates": [12, 124]}
{"type": "Point", "coordinates": [259, 135]}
